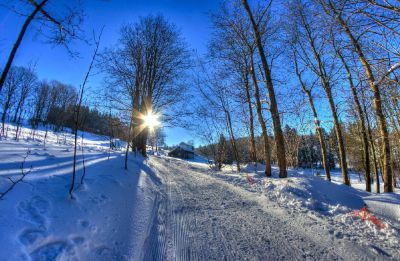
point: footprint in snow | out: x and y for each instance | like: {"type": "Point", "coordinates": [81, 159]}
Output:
{"type": "Point", "coordinates": [30, 236]}
{"type": "Point", "coordinates": [99, 199]}
{"type": "Point", "coordinates": [78, 240]}
{"type": "Point", "coordinates": [55, 250]}
{"type": "Point", "coordinates": [84, 223]}
{"type": "Point", "coordinates": [33, 211]}
{"type": "Point", "coordinates": [105, 253]}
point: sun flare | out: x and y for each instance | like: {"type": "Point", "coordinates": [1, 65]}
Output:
{"type": "Point", "coordinates": [151, 120]}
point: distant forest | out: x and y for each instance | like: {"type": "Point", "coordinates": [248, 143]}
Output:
{"type": "Point", "coordinates": [51, 105]}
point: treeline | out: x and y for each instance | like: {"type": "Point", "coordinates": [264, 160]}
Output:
{"type": "Point", "coordinates": [313, 65]}
{"type": "Point", "coordinates": [303, 150]}
{"type": "Point", "coordinates": [51, 105]}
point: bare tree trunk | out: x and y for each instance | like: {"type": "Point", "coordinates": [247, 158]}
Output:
{"type": "Point", "coordinates": [371, 140]}
{"type": "Point", "coordinates": [267, 150]}
{"type": "Point", "coordinates": [128, 140]}
{"type": "Point", "coordinates": [253, 154]}
{"type": "Point", "coordinates": [18, 42]}
{"type": "Point", "coordinates": [324, 79]}
{"type": "Point", "coordinates": [279, 141]}
{"type": "Point", "coordinates": [367, 163]}
{"type": "Point", "coordinates": [83, 156]}
{"type": "Point", "coordinates": [339, 136]}
{"type": "Point", "coordinates": [232, 138]}
{"type": "Point", "coordinates": [387, 169]}
{"type": "Point", "coordinates": [316, 121]}
{"type": "Point", "coordinates": [77, 112]}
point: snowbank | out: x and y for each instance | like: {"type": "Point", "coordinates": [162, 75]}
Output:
{"type": "Point", "coordinates": [386, 205]}
{"type": "Point", "coordinates": [332, 204]}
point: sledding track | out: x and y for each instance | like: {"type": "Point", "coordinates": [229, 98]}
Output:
{"type": "Point", "coordinates": [198, 217]}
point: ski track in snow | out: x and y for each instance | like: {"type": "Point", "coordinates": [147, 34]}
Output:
{"type": "Point", "coordinates": [198, 217]}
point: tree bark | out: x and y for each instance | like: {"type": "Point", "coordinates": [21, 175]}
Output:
{"type": "Point", "coordinates": [279, 140]}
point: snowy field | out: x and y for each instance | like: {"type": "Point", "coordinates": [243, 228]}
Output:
{"type": "Point", "coordinates": [107, 220]}
{"type": "Point", "coordinates": [165, 208]}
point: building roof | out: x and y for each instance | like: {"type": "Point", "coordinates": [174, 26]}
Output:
{"type": "Point", "coordinates": [186, 147]}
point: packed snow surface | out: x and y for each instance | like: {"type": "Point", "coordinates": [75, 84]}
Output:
{"type": "Point", "coordinates": [163, 208]}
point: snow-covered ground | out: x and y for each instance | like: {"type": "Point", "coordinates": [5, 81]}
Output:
{"type": "Point", "coordinates": [300, 217]}
{"type": "Point", "coordinates": [107, 220]}
{"type": "Point", "coordinates": [170, 209]}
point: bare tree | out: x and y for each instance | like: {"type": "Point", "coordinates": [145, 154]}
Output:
{"type": "Point", "coordinates": [335, 10]}
{"type": "Point", "coordinates": [360, 113]}
{"type": "Point", "coordinates": [148, 70]}
{"type": "Point", "coordinates": [214, 88]}
{"type": "Point", "coordinates": [312, 49]}
{"type": "Point", "coordinates": [279, 140]}
{"type": "Point", "coordinates": [234, 45]}
{"type": "Point", "coordinates": [78, 109]}
{"type": "Point", "coordinates": [318, 129]}
{"type": "Point", "coordinates": [58, 29]}
{"type": "Point", "coordinates": [11, 85]}
{"type": "Point", "coordinates": [28, 82]}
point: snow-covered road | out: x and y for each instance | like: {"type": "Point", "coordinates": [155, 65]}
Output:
{"type": "Point", "coordinates": [199, 217]}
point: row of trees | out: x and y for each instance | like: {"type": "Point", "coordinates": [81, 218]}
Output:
{"type": "Point", "coordinates": [331, 64]}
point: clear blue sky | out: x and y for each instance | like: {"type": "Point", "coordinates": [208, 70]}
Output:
{"type": "Point", "coordinates": [191, 16]}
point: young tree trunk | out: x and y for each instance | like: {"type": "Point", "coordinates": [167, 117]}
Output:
{"type": "Point", "coordinates": [387, 169]}
{"type": "Point", "coordinates": [316, 120]}
{"type": "Point", "coordinates": [3, 118]}
{"type": "Point", "coordinates": [18, 42]}
{"type": "Point", "coordinates": [77, 112]}
{"type": "Point", "coordinates": [83, 155]}
{"type": "Point", "coordinates": [339, 135]}
{"type": "Point", "coordinates": [279, 140]}
{"type": "Point", "coordinates": [267, 150]}
{"type": "Point", "coordinates": [371, 140]}
{"type": "Point", "coordinates": [253, 154]}
{"type": "Point", "coordinates": [128, 140]}
{"type": "Point", "coordinates": [324, 79]}
{"type": "Point", "coordinates": [367, 163]}
{"type": "Point", "coordinates": [232, 138]}
{"type": "Point", "coordinates": [19, 107]}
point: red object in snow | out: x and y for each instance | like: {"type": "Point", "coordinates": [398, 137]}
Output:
{"type": "Point", "coordinates": [250, 179]}
{"type": "Point", "coordinates": [365, 214]}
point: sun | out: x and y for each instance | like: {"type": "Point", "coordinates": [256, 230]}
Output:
{"type": "Point", "coordinates": [151, 120]}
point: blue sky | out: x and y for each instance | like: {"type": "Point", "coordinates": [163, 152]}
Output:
{"type": "Point", "coordinates": [192, 17]}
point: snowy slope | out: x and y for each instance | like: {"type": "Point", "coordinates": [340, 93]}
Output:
{"type": "Point", "coordinates": [107, 220]}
